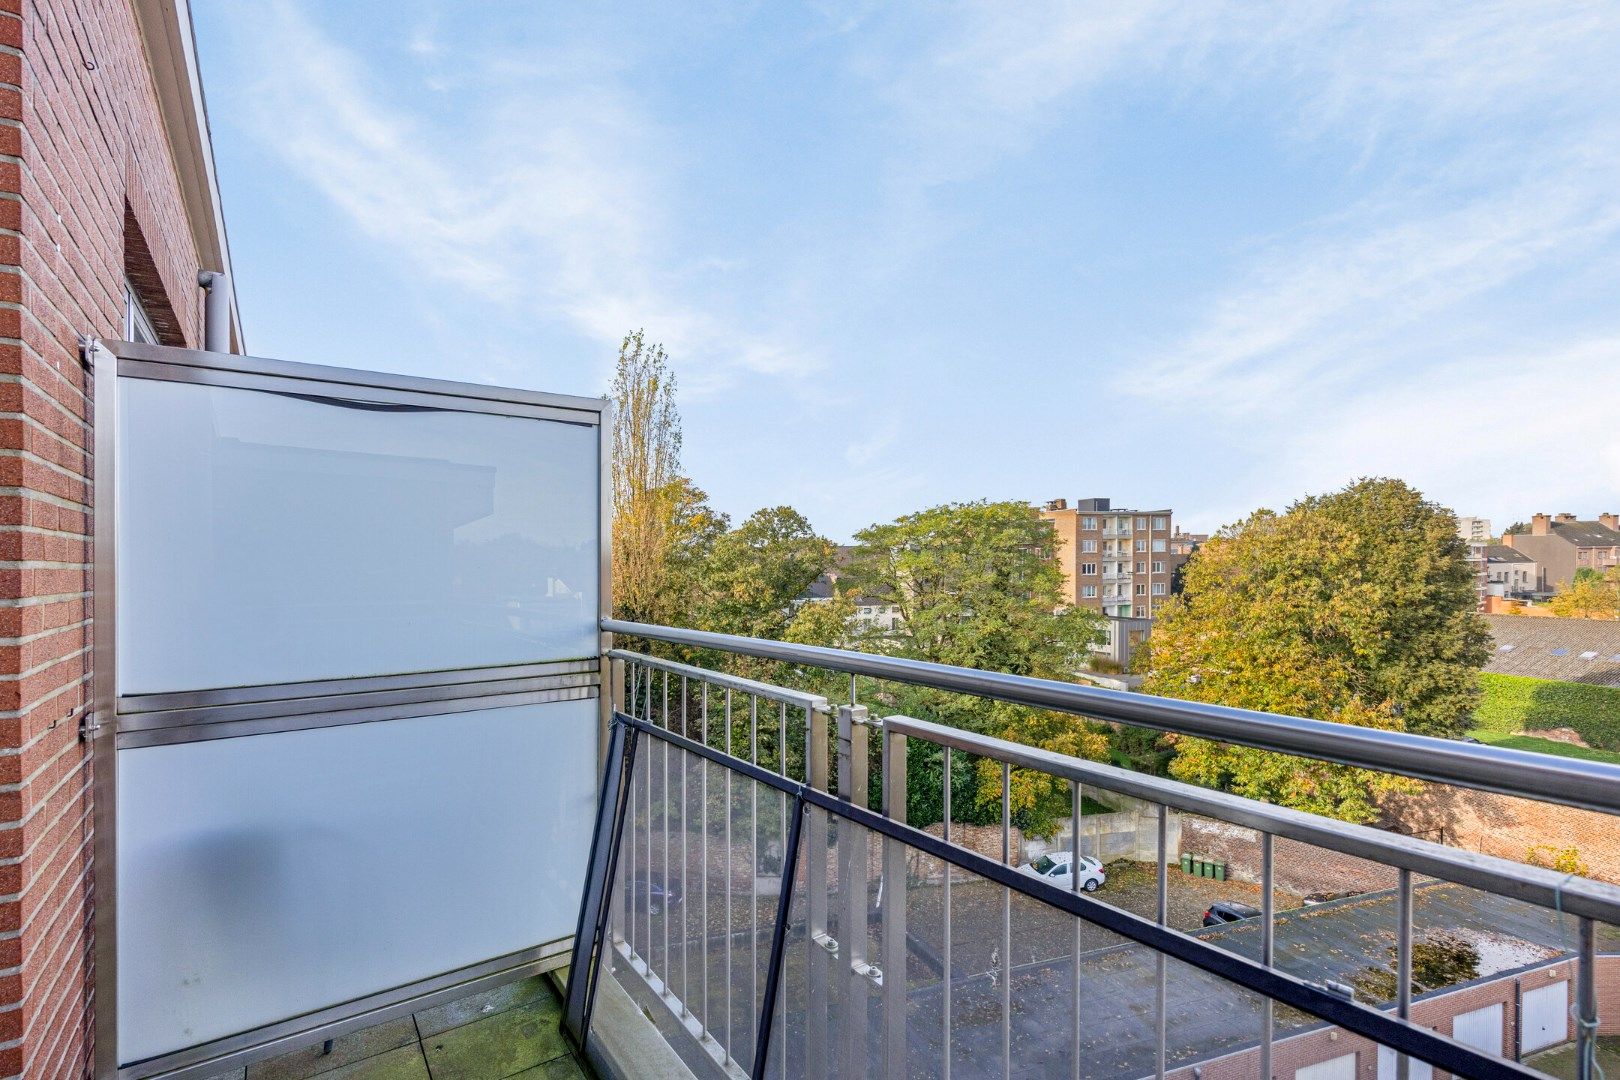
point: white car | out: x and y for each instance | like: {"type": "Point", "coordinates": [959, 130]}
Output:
{"type": "Point", "coordinates": [1055, 869]}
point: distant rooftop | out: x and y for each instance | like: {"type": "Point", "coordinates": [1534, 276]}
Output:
{"type": "Point", "coordinates": [1571, 650]}
{"type": "Point", "coordinates": [1503, 553]}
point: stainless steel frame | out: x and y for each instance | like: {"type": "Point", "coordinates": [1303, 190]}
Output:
{"type": "Point", "coordinates": [152, 719]}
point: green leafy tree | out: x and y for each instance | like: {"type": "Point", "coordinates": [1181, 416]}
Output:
{"type": "Point", "coordinates": [1356, 607]}
{"type": "Point", "coordinates": [1593, 594]}
{"type": "Point", "coordinates": [646, 476]}
{"type": "Point", "coordinates": [754, 573]}
{"type": "Point", "coordinates": [978, 585]}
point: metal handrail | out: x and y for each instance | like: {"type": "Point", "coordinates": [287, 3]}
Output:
{"type": "Point", "coordinates": [1576, 896]}
{"type": "Point", "coordinates": [1587, 785]}
{"type": "Point", "coordinates": [770, 692]}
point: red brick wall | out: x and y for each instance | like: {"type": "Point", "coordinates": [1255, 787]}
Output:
{"type": "Point", "coordinates": [83, 152]}
{"type": "Point", "coordinates": [1298, 868]}
{"type": "Point", "coordinates": [1506, 827]}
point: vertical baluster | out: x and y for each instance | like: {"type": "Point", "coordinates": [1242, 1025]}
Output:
{"type": "Point", "coordinates": [703, 855]}
{"type": "Point", "coordinates": [852, 921]}
{"type": "Point", "coordinates": [820, 959]}
{"type": "Point", "coordinates": [782, 800]}
{"type": "Point", "coordinates": [646, 832]}
{"type": "Point", "coordinates": [1006, 925]}
{"type": "Point", "coordinates": [945, 990]}
{"type": "Point", "coordinates": [686, 863]}
{"type": "Point", "coordinates": [1163, 913]}
{"type": "Point", "coordinates": [664, 754]}
{"type": "Point", "coordinates": [1268, 935]}
{"type": "Point", "coordinates": [753, 868]}
{"type": "Point", "coordinates": [1403, 961]}
{"type": "Point", "coordinates": [1586, 1005]}
{"type": "Point", "coordinates": [731, 972]}
{"type": "Point", "coordinates": [1076, 801]}
{"type": "Point", "coordinates": [895, 975]}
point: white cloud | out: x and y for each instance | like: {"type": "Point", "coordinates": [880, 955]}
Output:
{"type": "Point", "coordinates": [1503, 435]}
{"type": "Point", "coordinates": [541, 193]}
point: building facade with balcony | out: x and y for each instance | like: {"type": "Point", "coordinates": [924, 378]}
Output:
{"type": "Point", "coordinates": [1116, 562]}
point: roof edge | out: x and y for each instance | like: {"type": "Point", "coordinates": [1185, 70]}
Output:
{"type": "Point", "coordinates": [171, 53]}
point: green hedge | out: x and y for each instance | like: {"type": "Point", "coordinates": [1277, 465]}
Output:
{"type": "Point", "coordinates": [1515, 703]}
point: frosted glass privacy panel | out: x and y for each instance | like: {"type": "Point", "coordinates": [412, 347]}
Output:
{"type": "Point", "coordinates": [264, 538]}
{"type": "Point", "coordinates": [262, 877]}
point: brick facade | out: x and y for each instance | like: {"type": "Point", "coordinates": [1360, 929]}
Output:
{"type": "Point", "coordinates": [1505, 826]}
{"type": "Point", "coordinates": [1292, 1053]}
{"type": "Point", "coordinates": [88, 193]}
{"type": "Point", "coordinates": [1298, 868]}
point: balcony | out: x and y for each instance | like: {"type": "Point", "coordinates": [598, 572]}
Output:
{"type": "Point", "coordinates": [759, 904]}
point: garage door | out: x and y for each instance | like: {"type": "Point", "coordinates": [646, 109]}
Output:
{"type": "Point", "coordinates": [1546, 1016]}
{"type": "Point", "coordinates": [1415, 1069]}
{"type": "Point", "coordinates": [1339, 1068]}
{"type": "Point", "coordinates": [1481, 1029]}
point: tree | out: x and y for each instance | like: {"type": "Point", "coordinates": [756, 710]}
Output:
{"type": "Point", "coordinates": [1592, 595]}
{"type": "Point", "coordinates": [1356, 607]}
{"type": "Point", "coordinates": [646, 480]}
{"type": "Point", "coordinates": [978, 585]}
{"type": "Point", "coordinates": [1518, 528]}
{"type": "Point", "coordinates": [755, 572]}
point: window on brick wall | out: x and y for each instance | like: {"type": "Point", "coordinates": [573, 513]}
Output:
{"type": "Point", "coordinates": [1089, 568]}
{"type": "Point", "coordinates": [1088, 590]}
{"type": "Point", "coordinates": [1160, 524]}
{"type": "Point", "coordinates": [1158, 567]}
{"type": "Point", "coordinates": [1141, 545]}
{"type": "Point", "coordinates": [137, 323]}
{"type": "Point", "coordinates": [1088, 545]}
{"type": "Point", "coordinates": [1088, 523]}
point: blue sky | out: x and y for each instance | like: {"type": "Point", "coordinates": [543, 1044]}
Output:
{"type": "Point", "coordinates": [1200, 255]}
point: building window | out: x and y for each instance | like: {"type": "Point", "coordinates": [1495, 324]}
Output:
{"type": "Point", "coordinates": [1158, 588]}
{"type": "Point", "coordinates": [1158, 567]}
{"type": "Point", "coordinates": [1088, 523]}
{"type": "Point", "coordinates": [1160, 524]}
{"type": "Point", "coordinates": [1141, 545]}
{"type": "Point", "coordinates": [1124, 611]}
{"type": "Point", "coordinates": [1141, 590]}
{"type": "Point", "coordinates": [1141, 523]}
{"type": "Point", "coordinates": [1088, 545]}
{"type": "Point", "coordinates": [1089, 569]}
{"type": "Point", "coordinates": [1158, 545]}
{"type": "Point", "coordinates": [1088, 591]}
{"type": "Point", "coordinates": [1140, 567]}
{"type": "Point", "coordinates": [137, 323]}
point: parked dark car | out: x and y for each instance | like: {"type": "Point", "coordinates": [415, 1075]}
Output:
{"type": "Point", "coordinates": [651, 894]}
{"type": "Point", "coordinates": [1226, 911]}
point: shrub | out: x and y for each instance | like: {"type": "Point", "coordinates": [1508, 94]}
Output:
{"type": "Point", "coordinates": [1515, 703]}
{"type": "Point", "coordinates": [1563, 860]}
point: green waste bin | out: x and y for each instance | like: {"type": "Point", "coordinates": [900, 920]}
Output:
{"type": "Point", "coordinates": [1201, 865]}
{"type": "Point", "coordinates": [1186, 863]}
{"type": "Point", "coordinates": [1220, 871]}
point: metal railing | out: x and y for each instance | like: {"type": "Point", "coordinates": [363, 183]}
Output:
{"type": "Point", "coordinates": [842, 995]}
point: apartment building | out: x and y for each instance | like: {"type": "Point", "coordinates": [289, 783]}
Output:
{"type": "Point", "coordinates": [1475, 529]}
{"type": "Point", "coordinates": [1562, 544]}
{"type": "Point", "coordinates": [1512, 574]}
{"type": "Point", "coordinates": [1114, 561]}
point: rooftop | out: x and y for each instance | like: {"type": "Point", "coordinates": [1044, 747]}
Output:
{"type": "Point", "coordinates": [1571, 650]}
